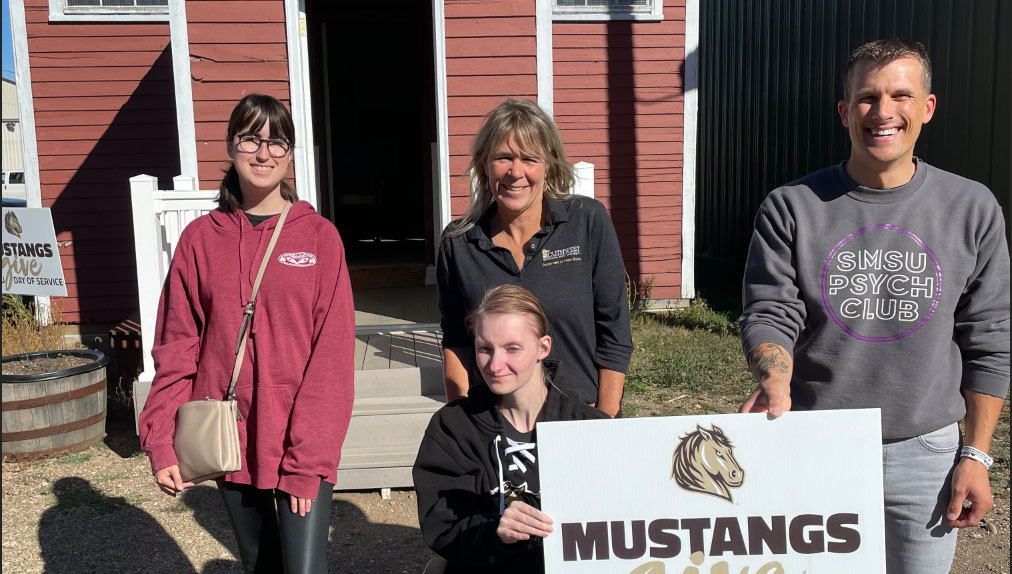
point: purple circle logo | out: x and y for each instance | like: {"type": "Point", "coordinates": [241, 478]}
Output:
{"type": "Point", "coordinates": [881, 283]}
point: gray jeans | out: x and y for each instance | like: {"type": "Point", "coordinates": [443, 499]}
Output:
{"type": "Point", "coordinates": [918, 475]}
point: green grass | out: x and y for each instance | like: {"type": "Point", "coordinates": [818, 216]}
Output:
{"type": "Point", "coordinates": [85, 455]}
{"type": "Point", "coordinates": [685, 362]}
{"type": "Point", "coordinates": [76, 458]}
{"type": "Point", "coordinates": [698, 316]}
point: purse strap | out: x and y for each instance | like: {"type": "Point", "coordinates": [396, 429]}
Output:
{"type": "Point", "coordinates": [247, 316]}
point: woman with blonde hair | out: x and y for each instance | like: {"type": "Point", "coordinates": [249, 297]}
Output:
{"type": "Point", "coordinates": [476, 475]}
{"type": "Point", "coordinates": [524, 227]}
{"type": "Point", "coordinates": [294, 389]}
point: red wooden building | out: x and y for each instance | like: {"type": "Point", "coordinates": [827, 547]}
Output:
{"type": "Point", "coordinates": [386, 95]}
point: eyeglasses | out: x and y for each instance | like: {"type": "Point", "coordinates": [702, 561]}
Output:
{"type": "Point", "coordinates": [250, 143]}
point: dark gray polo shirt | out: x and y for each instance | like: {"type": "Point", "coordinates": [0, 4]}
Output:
{"type": "Point", "coordinates": [574, 267]}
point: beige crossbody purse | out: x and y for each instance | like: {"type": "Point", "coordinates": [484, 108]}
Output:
{"type": "Point", "coordinates": [207, 434]}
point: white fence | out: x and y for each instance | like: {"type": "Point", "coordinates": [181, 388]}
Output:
{"type": "Point", "coordinates": [584, 179]}
{"type": "Point", "coordinates": [159, 218]}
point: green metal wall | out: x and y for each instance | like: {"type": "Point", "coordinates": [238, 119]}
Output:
{"type": "Point", "coordinates": [770, 78]}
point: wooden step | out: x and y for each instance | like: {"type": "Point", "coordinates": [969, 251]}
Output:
{"type": "Point", "coordinates": [376, 466]}
{"type": "Point", "coordinates": [384, 435]}
{"type": "Point", "coordinates": [376, 406]}
{"type": "Point", "coordinates": [366, 457]}
{"type": "Point", "coordinates": [385, 431]}
{"type": "Point", "coordinates": [374, 478]}
{"type": "Point", "coordinates": [406, 382]}
{"type": "Point", "coordinates": [378, 348]}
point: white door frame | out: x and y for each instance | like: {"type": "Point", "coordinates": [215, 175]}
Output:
{"type": "Point", "coordinates": [180, 36]}
{"type": "Point", "coordinates": [690, 109]}
{"type": "Point", "coordinates": [298, 69]}
{"type": "Point", "coordinates": [441, 213]}
{"type": "Point", "coordinates": [26, 104]}
{"type": "Point", "coordinates": [544, 57]}
{"type": "Point", "coordinates": [29, 141]}
{"type": "Point", "coordinates": [301, 100]}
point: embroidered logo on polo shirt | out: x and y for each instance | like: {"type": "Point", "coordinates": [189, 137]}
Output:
{"type": "Point", "coordinates": [556, 256]}
{"type": "Point", "coordinates": [298, 259]}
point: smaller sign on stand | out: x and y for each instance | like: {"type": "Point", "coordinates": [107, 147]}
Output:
{"type": "Point", "coordinates": [31, 257]}
{"type": "Point", "coordinates": [715, 494]}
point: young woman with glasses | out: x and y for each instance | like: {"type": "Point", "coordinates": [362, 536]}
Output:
{"type": "Point", "coordinates": [295, 389]}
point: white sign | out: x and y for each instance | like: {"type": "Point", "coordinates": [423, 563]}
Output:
{"type": "Point", "coordinates": [715, 494]}
{"type": "Point", "coordinates": [31, 258]}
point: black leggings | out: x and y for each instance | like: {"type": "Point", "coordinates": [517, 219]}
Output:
{"type": "Point", "coordinates": [273, 539]}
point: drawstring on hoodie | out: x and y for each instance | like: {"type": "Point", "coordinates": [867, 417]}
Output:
{"type": "Point", "coordinates": [524, 449]}
{"type": "Point", "coordinates": [502, 497]}
{"type": "Point", "coordinates": [248, 277]}
{"type": "Point", "coordinates": [241, 299]}
{"type": "Point", "coordinates": [247, 316]}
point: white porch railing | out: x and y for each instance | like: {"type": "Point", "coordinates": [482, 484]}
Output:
{"type": "Point", "coordinates": [584, 179]}
{"type": "Point", "coordinates": [159, 218]}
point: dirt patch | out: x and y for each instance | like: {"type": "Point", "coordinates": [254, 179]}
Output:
{"type": "Point", "coordinates": [41, 365]}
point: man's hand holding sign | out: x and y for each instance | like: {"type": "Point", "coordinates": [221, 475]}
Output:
{"type": "Point", "coordinates": [771, 366]}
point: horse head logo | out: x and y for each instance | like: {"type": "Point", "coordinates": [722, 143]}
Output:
{"type": "Point", "coordinates": [12, 224]}
{"type": "Point", "coordinates": [704, 462]}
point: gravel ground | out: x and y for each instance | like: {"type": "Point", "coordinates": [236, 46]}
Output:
{"type": "Point", "coordinates": [98, 511]}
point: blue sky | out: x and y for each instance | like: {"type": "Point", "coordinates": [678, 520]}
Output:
{"type": "Point", "coordinates": [8, 49]}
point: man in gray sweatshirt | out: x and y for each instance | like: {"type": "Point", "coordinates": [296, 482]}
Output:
{"type": "Point", "coordinates": [884, 282]}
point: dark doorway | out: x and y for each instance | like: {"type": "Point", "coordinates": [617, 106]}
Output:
{"type": "Point", "coordinates": [373, 87]}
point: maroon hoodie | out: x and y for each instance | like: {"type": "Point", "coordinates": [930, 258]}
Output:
{"type": "Point", "coordinates": [296, 386]}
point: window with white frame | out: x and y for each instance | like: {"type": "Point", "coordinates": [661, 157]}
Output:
{"type": "Point", "coordinates": [109, 10]}
{"type": "Point", "coordinates": [608, 10]}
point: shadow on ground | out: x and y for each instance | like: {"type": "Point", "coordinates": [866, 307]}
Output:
{"type": "Point", "coordinates": [121, 436]}
{"type": "Point", "coordinates": [75, 538]}
{"type": "Point", "coordinates": [357, 544]}
{"type": "Point", "coordinates": [87, 531]}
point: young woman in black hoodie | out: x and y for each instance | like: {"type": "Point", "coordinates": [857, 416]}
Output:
{"type": "Point", "coordinates": [476, 475]}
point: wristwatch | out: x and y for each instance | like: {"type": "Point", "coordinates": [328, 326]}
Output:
{"type": "Point", "coordinates": [977, 455]}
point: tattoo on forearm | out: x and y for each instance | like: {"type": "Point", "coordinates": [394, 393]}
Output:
{"type": "Point", "coordinates": [768, 358]}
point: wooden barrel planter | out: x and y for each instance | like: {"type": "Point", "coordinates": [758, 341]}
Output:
{"type": "Point", "coordinates": [54, 413]}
